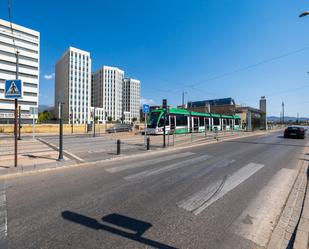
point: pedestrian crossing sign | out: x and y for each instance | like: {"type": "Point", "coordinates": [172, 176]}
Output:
{"type": "Point", "coordinates": [13, 89]}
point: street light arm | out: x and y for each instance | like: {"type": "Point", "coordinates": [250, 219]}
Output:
{"type": "Point", "coordinates": [305, 13]}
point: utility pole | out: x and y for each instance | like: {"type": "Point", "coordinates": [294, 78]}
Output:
{"type": "Point", "coordinates": [282, 112]}
{"type": "Point", "coordinates": [71, 118]}
{"type": "Point", "coordinates": [183, 99]}
{"type": "Point", "coordinates": [297, 122]}
{"type": "Point", "coordinates": [16, 106]}
{"type": "Point", "coordinates": [94, 121]}
{"type": "Point", "coordinates": [60, 157]}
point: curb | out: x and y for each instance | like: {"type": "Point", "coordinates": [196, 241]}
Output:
{"type": "Point", "coordinates": [302, 231]}
{"type": "Point", "coordinates": [124, 157]}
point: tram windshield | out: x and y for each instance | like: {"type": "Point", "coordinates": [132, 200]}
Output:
{"type": "Point", "coordinates": [153, 119]}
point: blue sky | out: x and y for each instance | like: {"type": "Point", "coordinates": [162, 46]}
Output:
{"type": "Point", "coordinates": [209, 49]}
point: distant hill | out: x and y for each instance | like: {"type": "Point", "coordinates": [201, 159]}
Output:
{"type": "Point", "coordinates": [287, 118]}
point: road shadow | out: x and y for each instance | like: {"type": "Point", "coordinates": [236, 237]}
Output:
{"type": "Point", "coordinates": [5, 167]}
{"type": "Point", "coordinates": [137, 227]}
{"type": "Point", "coordinates": [42, 157]}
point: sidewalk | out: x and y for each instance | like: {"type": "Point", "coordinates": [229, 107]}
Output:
{"type": "Point", "coordinates": [32, 154]}
{"type": "Point", "coordinates": [302, 232]}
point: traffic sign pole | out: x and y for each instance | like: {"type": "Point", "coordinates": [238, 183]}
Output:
{"type": "Point", "coordinates": [146, 109]}
{"type": "Point", "coordinates": [13, 90]}
{"type": "Point", "coordinates": [164, 105]}
{"type": "Point", "coordinates": [15, 132]}
{"type": "Point", "coordinates": [19, 121]}
{"type": "Point", "coordinates": [33, 126]}
{"type": "Point", "coordinates": [16, 106]}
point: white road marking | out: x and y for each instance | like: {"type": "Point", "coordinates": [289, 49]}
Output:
{"type": "Point", "coordinates": [167, 168]}
{"type": "Point", "coordinates": [258, 220]}
{"type": "Point", "coordinates": [231, 182]}
{"type": "Point", "coordinates": [3, 215]}
{"type": "Point", "coordinates": [199, 198]}
{"type": "Point", "coordinates": [221, 163]}
{"type": "Point", "coordinates": [148, 162]}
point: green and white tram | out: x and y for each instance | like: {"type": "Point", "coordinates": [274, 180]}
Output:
{"type": "Point", "coordinates": [184, 121]}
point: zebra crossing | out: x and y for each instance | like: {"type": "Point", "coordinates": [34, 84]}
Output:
{"type": "Point", "coordinates": [196, 202]}
{"type": "Point", "coordinates": [220, 189]}
{"type": "Point", "coordinates": [173, 166]}
{"type": "Point", "coordinates": [255, 223]}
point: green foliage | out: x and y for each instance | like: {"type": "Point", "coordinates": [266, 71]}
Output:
{"type": "Point", "coordinates": [45, 116]}
{"type": "Point", "coordinates": [134, 119]}
{"type": "Point", "coordinates": [109, 119]}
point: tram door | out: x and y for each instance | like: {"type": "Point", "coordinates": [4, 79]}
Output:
{"type": "Point", "coordinates": [172, 124]}
{"type": "Point", "coordinates": [224, 124]}
{"type": "Point", "coordinates": [195, 124]}
{"type": "Point", "coordinates": [207, 124]}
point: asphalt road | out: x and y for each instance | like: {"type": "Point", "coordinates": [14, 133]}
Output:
{"type": "Point", "coordinates": [224, 195]}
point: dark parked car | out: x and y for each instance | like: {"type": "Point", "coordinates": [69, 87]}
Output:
{"type": "Point", "coordinates": [295, 131]}
{"type": "Point", "coordinates": [119, 128]}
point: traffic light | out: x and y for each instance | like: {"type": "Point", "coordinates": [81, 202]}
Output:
{"type": "Point", "coordinates": [164, 103]}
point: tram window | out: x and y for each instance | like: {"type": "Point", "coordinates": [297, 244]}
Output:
{"type": "Point", "coordinates": [237, 121]}
{"type": "Point", "coordinates": [216, 121]}
{"type": "Point", "coordinates": [224, 121]}
{"type": "Point", "coordinates": [181, 120]}
{"type": "Point", "coordinates": [207, 121]}
{"type": "Point", "coordinates": [201, 121]}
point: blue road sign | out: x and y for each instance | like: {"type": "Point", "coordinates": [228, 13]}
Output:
{"type": "Point", "coordinates": [13, 89]}
{"type": "Point", "coordinates": [146, 108]}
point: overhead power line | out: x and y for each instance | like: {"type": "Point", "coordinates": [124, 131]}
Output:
{"type": "Point", "coordinates": [250, 66]}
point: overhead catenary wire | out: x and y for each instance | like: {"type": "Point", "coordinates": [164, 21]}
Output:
{"type": "Point", "coordinates": [241, 69]}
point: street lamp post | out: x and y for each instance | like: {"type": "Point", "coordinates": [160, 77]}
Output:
{"type": "Point", "coordinates": [183, 98]}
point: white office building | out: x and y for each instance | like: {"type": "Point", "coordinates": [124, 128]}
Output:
{"type": "Point", "coordinates": [27, 43]}
{"type": "Point", "coordinates": [73, 85]}
{"type": "Point", "coordinates": [107, 91]}
{"type": "Point", "coordinates": [131, 99]}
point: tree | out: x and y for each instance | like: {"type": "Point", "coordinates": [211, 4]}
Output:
{"type": "Point", "coordinates": [134, 119]}
{"type": "Point", "coordinates": [45, 116]}
{"type": "Point", "coordinates": [109, 119]}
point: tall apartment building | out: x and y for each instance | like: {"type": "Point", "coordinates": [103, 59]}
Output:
{"type": "Point", "coordinates": [73, 85]}
{"type": "Point", "coordinates": [131, 99]}
{"type": "Point", "coordinates": [107, 91]}
{"type": "Point", "coordinates": [27, 42]}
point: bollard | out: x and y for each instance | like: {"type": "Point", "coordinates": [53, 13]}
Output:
{"type": "Point", "coordinates": [118, 147]}
{"type": "Point", "coordinates": [148, 143]}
